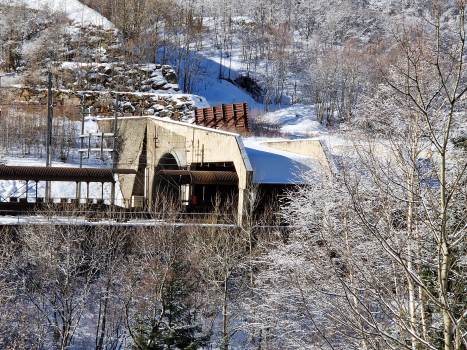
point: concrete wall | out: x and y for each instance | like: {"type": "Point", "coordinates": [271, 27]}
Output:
{"type": "Point", "coordinates": [310, 148]}
{"type": "Point", "coordinates": [131, 137]}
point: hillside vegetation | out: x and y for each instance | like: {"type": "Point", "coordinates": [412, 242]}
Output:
{"type": "Point", "coordinates": [374, 254]}
{"type": "Point", "coordinates": [315, 52]}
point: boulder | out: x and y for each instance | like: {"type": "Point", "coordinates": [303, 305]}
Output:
{"type": "Point", "coordinates": [134, 98]}
{"type": "Point", "coordinates": [165, 114]}
{"type": "Point", "coordinates": [158, 85]}
{"type": "Point", "coordinates": [171, 77]}
{"type": "Point", "coordinates": [72, 101]}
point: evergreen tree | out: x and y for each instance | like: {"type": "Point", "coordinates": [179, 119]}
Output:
{"type": "Point", "coordinates": [174, 326]}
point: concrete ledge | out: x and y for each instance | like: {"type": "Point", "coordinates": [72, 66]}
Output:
{"type": "Point", "coordinates": [309, 148]}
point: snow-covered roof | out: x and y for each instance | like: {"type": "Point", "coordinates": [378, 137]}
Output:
{"type": "Point", "coordinates": [273, 166]}
{"type": "Point", "coordinates": [168, 120]}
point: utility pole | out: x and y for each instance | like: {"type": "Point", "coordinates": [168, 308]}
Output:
{"type": "Point", "coordinates": [1, 76]}
{"type": "Point", "coordinates": [114, 151]}
{"type": "Point", "coordinates": [81, 143]}
{"type": "Point", "coordinates": [48, 141]}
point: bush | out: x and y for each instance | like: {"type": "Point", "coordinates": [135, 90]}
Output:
{"type": "Point", "coordinates": [251, 86]}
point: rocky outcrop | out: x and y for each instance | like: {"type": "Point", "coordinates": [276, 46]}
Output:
{"type": "Point", "coordinates": [153, 78]}
{"type": "Point", "coordinates": [176, 106]}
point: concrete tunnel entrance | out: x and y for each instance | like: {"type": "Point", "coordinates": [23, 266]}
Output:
{"type": "Point", "coordinates": [198, 188]}
{"type": "Point", "coordinates": [214, 162]}
{"type": "Point", "coordinates": [165, 191]}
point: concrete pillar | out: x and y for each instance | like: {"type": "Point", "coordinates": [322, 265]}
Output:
{"type": "Point", "coordinates": [241, 206]}
{"type": "Point", "coordinates": [243, 196]}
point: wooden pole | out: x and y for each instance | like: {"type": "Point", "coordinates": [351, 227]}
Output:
{"type": "Point", "coordinates": [114, 151]}
{"type": "Point", "coordinates": [48, 159]}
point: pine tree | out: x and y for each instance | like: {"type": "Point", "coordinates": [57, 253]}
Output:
{"type": "Point", "coordinates": [175, 325]}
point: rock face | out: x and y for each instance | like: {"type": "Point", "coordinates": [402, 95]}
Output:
{"type": "Point", "coordinates": [92, 58]}
{"type": "Point", "coordinates": [152, 78]}
{"type": "Point", "coordinates": [176, 106]}
{"type": "Point", "coordinates": [92, 61]}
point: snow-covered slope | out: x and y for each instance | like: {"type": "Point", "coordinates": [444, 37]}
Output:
{"type": "Point", "coordinates": [74, 10]}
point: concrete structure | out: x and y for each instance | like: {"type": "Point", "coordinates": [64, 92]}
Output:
{"type": "Point", "coordinates": [311, 148]}
{"type": "Point", "coordinates": [197, 163]}
{"type": "Point", "coordinates": [150, 145]}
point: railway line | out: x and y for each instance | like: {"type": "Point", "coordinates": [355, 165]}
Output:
{"type": "Point", "coordinates": [64, 214]}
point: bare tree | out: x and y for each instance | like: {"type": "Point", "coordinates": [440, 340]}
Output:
{"type": "Point", "coordinates": [222, 258]}
{"type": "Point", "coordinates": [111, 246]}
{"type": "Point", "coordinates": [59, 276]}
{"type": "Point", "coordinates": [160, 300]}
{"type": "Point", "coordinates": [377, 257]}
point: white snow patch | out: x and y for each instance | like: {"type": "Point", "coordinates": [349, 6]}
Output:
{"type": "Point", "coordinates": [295, 120]}
{"type": "Point", "coordinates": [79, 13]}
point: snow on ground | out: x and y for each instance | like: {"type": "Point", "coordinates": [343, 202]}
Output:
{"type": "Point", "coordinates": [74, 10]}
{"type": "Point", "coordinates": [17, 188]}
{"type": "Point", "coordinates": [218, 92]}
{"type": "Point", "coordinates": [296, 121]}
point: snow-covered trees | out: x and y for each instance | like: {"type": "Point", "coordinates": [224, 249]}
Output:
{"type": "Point", "coordinates": [101, 287]}
{"type": "Point", "coordinates": [161, 292]}
{"type": "Point", "coordinates": [174, 324]}
{"type": "Point", "coordinates": [58, 279]}
{"type": "Point", "coordinates": [376, 259]}
{"type": "Point", "coordinates": [337, 77]}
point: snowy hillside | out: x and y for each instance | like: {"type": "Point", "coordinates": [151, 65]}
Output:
{"type": "Point", "coordinates": [74, 10]}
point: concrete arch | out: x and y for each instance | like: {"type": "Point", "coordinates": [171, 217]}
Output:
{"type": "Point", "coordinates": [164, 187]}
{"type": "Point", "coordinates": [150, 140]}
{"type": "Point", "coordinates": [168, 161]}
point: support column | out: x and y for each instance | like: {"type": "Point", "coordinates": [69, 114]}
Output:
{"type": "Point", "coordinates": [241, 206]}
{"type": "Point", "coordinates": [245, 184]}
{"type": "Point", "coordinates": [81, 144]}
{"type": "Point", "coordinates": [114, 152]}
{"type": "Point", "coordinates": [48, 159]}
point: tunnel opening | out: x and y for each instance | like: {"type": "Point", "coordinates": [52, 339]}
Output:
{"type": "Point", "coordinates": [165, 189]}
{"type": "Point", "coordinates": [209, 195]}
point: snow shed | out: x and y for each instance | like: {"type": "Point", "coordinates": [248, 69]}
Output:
{"type": "Point", "coordinates": [35, 173]}
{"type": "Point", "coordinates": [199, 165]}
